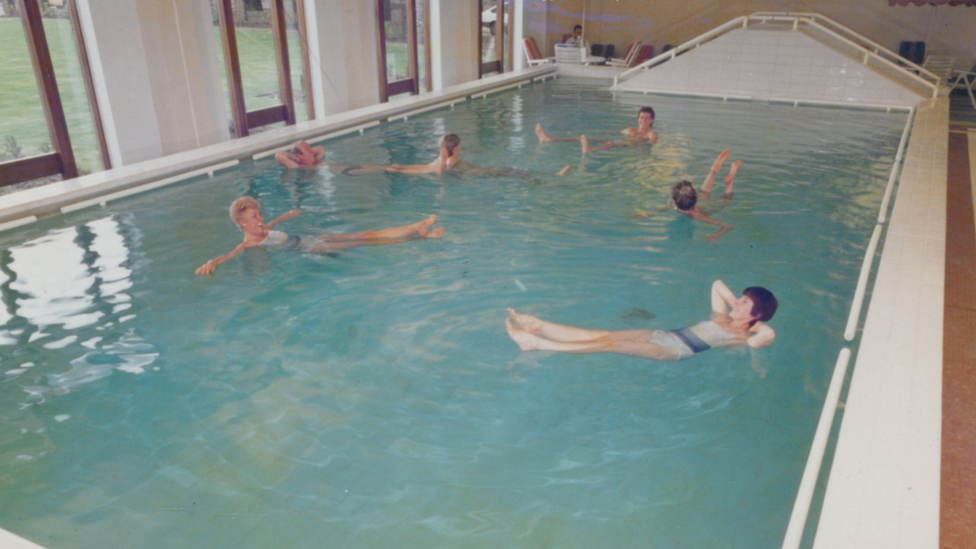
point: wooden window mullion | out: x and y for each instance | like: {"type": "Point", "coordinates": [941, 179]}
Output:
{"type": "Point", "coordinates": [412, 46]}
{"type": "Point", "coordinates": [233, 64]}
{"type": "Point", "coordinates": [381, 44]}
{"type": "Point", "coordinates": [306, 63]}
{"type": "Point", "coordinates": [280, 33]}
{"type": "Point", "coordinates": [30, 15]}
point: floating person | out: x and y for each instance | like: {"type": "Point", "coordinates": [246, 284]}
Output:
{"type": "Point", "coordinates": [735, 321]}
{"type": "Point", "coordinates": [246, 212]}
{"type": "Point", "coordinates": [449, 159]}
{"type": "Point", "coordinates": [641, 135]}
{"type": "Point", "coordinates": [684, 198]}
{"type": "Point", "coordinates": [303, 155]}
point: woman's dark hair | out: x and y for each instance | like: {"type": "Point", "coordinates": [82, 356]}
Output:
{"type": "Point", "coordinates": [764, 303]}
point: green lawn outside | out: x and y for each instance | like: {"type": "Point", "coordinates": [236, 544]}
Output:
{"type": "Point", "coordinates": [22, 117]}
{"type": "Point", "coordinates": [21, 114]}
{"type": "Point", "coordinates": [259, 72]}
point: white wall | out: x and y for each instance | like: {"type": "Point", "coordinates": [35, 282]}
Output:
{"type": "Point", "coordinates": [946, 30]}
{"type": "Point", "coordinates": [342, 46]}
{"type": "Point", "coordinates": [156, 76]}
{"type": "Point", "coordinates": [454, 56]}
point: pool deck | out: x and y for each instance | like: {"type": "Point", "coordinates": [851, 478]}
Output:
{"type": "Point", "coordinates": [890, 474]}
{"type": "Point", "coordinates": [884, 485]}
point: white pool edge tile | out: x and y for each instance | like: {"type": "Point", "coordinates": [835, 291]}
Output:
{"type": "Point", "coordinates": [9, 540]}
{"type": "Point", "coordinates": [883, 488]}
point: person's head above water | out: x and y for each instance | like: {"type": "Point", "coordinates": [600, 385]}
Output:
{"type": "Point", "coordinates": [683, 195]}
{"type": "Point", "coordinates": [238, 207]}
{"type": "Point", "coordinates": [646, 113]}
{"type": "Point", "coordinates": [450, 142]}
{"type": "Point", "coordinates": [304, 154]}
{"type": "Point", "coordinates": [764, 303]}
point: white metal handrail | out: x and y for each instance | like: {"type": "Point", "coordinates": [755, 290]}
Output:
{"type": "Point", "coordinates": [672, 53]}
{"type": "Point", "coordinates": [743, 22]}
{"type": "Point", "coordinates": [862, 40]}
{"type": "Point", "coordinates": [965, 79]}
{"type": "Point", "coordinates": [808, 485]}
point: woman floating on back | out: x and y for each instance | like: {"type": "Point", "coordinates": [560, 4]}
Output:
{"type": "Point", "coordinates": [246, 212]}
{"type": "Point", "coordinates": [303, 155]}
{"type": "Point", "coordinates": [735, 321]}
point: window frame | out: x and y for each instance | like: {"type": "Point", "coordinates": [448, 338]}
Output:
{"type": "Point", "coordinates": [411, 84]}
{"type": "Point", "coordinates": [498, 65]}
{"type": "Point", "coordinates": [62, 160]}
{"type": "Point", "coordinates": [244, 120]}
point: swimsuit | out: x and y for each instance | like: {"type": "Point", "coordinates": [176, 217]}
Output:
{"type": "Point", "coordinates": [693, 339]}
{"type": "Point", "coordinates": [279, 240]}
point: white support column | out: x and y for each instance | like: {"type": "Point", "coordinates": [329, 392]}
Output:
{"type": "Point", "coordinates": [518, 33]}
{"type": "Point", "coordinates": [454, 54]}
{"type": "Point", "coordinates": [343, 54]}
{"type": "Point", "coordinates": [156, 76]}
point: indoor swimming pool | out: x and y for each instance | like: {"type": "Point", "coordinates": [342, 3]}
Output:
{"type": "Point", "coordinates": [372, 397]}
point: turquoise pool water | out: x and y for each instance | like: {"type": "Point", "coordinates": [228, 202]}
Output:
{"type": "Point", "coordinates": [372, 398]}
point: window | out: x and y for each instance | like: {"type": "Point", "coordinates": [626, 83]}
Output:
{"type": "Point", "coordinates": [495, 36]}
{"type": "Point", "coordinates": [51, 123]}
{"type": "Point", "coordinates": [403, 42]}
{"type": "Point", "coordinates": [257, 61]}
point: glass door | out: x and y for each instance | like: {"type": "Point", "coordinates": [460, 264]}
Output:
{"type": "Point", "coordinates": [403, 42]}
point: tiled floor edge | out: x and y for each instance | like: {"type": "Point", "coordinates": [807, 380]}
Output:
{"type": "Point", "coordinates": [958, 506]}
{"type": "Point", "coordinates": [9, 540]}
{"type": "Point", "coordinates": [883, 487]}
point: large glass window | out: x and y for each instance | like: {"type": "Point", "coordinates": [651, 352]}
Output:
{"type": "Point", "coordinates": [404, 47]}
{"type": "Point", "coordinates": [262, 40]}
{"type": "Point", "coordinates": [47, 96]}
{"type": "Point", "coordinates": [495, 38]}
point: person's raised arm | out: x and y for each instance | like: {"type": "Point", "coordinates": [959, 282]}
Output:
{"type": "Point", "coordinates": [271, 224]}
{"type": "Point", "coordinates": [287, 159]}
{"type": "Point", "coordinates": [762, 335]}
{"type": "Point", "coordinates": [722, 298]}
{"type": "Point", "coordinates": [209, 266]}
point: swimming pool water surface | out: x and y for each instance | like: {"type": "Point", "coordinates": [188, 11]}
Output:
{"type": "Point", "coordinates": [372, 397]}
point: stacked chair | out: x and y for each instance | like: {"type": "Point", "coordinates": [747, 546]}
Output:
{"type": "Point", "coordinates": [629, 60]}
